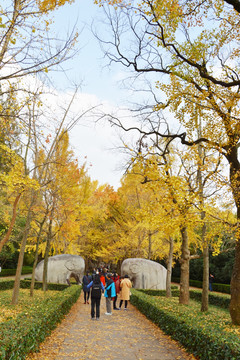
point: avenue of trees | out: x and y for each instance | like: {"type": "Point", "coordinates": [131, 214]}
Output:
{"type": "Point", "coordinates": [175, 201]}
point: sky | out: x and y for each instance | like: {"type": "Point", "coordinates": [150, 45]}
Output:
{"type": "Point", "coordinates": [100, 86]}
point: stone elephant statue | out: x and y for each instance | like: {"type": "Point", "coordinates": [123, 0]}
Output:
{"type": "Point", "coordinates": [145, 274]}
{"type": "Point", "coordinates": [61, 268]}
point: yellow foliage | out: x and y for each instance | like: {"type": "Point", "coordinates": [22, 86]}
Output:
{"type": "Point", "coordinates": [16, 179]}
{"type": "Point", "coordinates": [49, 5]}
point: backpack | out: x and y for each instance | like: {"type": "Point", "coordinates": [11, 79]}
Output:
{"type": "Point", "coordinates": [96, 291]}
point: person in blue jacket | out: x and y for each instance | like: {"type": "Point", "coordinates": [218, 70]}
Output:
{"type": "Point", "coordinates": [110, 292]}
{"type": "Point", "coordinates": [96, 293]}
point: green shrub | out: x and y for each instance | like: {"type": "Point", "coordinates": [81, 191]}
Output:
{"type": "Point", "coordinates": [221, 300]}
{"type": "Point", "coordinates": [175, 292]}
{"type": "Point", "coordinates": [208, 336]}
{"type": "Point", "coordinates": [12, 272]}
{"type": "Point", "coordinates": [26, 284]}
{"type": "Point", "coordinates": [223, 288]}
{"type": "Point", "coordinates": [195, 283]}
{"type": "Point", "coordinates": [22, 335]}
{"type": "Point", "coordinates": [6, 284]}
{"type": "Point", "coordinates": [8, 272]}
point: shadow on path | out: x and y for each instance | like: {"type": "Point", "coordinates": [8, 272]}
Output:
{"type": "Point", "coordinates": [126, 335]}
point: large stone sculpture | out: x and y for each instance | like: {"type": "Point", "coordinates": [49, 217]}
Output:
{"type": "Point", "coordinates": [61, 268]}
{"type": "Point", "coordinates": [145, 274]}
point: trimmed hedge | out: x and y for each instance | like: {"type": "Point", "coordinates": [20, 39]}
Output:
{"type": "Point", "coordinates": [26, 284]}
{"type": "Point", "coordinates": [12, 272]}
{"type": "Point", "coordinates": [23, 334]}
{"type": "Point", "coordinates": [221, 300]}
{"type": "Point", "coordinates": [174, 291]}
{"type": "Point", "coordinates": [205, 338]}
{"type": "Point", "coordinates": [224, 288]}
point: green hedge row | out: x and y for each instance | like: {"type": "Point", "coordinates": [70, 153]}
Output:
{"type": "Point", "coordinates": [221, 300]}
{"type": "Point", "coordinates": [12, 272]}
{"type": "Point", "coordinates": [22, 335]}
{"type": "Point", "coordinates": [224, 288]}
{"type": "Point", "coordinates": [25, 284]}
{"type": "Point", "coordinates": [202, 335]}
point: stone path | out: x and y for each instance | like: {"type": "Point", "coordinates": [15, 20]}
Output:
{"type": "Point", "coordinates": [126, 335]}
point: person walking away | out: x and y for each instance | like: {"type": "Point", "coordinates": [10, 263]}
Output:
{"type": "Point", "coordinates": [110, 292]}
{"type": "Point", "coordinates": [125, 291]}
{"type": "Point", "coordinates": [85, 281]}
{"type": "Point", "coordinates": [211, 279]}
{"type": "Point", "coordinates": [96, 292]}
{"type": "Point", "coordinates": [116, 279]}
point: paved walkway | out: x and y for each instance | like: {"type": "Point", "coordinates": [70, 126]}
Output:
{"type": "Point", "coordinates": [126, 335]}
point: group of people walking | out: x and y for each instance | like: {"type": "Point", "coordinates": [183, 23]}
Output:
{"type": "Point", "coordinates": [111, 285]}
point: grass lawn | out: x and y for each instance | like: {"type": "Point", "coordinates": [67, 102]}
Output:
{"type": "Point", "coordinates": [215, 318]}
{"type": "Point", "coordinates": [25, 302]}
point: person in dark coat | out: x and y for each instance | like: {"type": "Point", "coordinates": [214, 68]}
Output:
{"type": "Point", "coordinates": [96, 293]}
{"type": "Point", "coordinates": [85, 281]}
{"type": "Point", "coordinates": [211, 279]}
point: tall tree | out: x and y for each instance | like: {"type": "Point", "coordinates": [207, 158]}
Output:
{"type": "Point", "coordinates": [200, 59]}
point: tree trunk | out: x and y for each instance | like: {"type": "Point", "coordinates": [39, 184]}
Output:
{"type": "Point", "coordinates": [45, 264]}
{"type": "Point", "coordinates": [6, 237]}
{"type": "Point", "coordinates": [184, 262]}
{"type": "Point", "coordinates": [36, 257]}
{"type": "Point", "coordinates": [21, 257]}
{"type": "Point", "coordinates": [204, 306]}
{"type": "Point", "coordinates": [235, 285]}
{"type": "Point", "coordinates": [235, 280]}
{"type": "Point", "coordinates": [119, 263]}
{"type": "Point", "coordinates": [34, 268]}
{"type": "Point", "coordinates": [169, 268]}
{"type": "Point", "coordinates": [149, 245]}
{"type": "Point", "coordinates": [46, 255]}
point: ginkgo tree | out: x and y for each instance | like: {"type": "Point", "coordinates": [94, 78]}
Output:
{"type": "Point", "coordinates": [176, 189]}
{"type": "Point", "coordinates": [195, 62]}
{"type": "Point", "coordinates": [15, 183]}
{"type": "Point", "coordinates": [153, 213]}
{"type": "Point", "coordinates": [177, 201]}
{"type": "Point", "coordinates": [59, 195]}
{"type": "Point", "coordinates": [26, 46]}
{"type": "Point", "coordinates": [143, 229]}
{"type": "Point", "coordinates": [97, 232]}
{"type": "Point", "coordinates": [35, 167]}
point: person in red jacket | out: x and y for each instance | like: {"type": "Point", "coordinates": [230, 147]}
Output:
{"type": "Point", "coordinates": [116, 279]}
{"type": "Point", "coordinates": [102, 278]}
